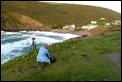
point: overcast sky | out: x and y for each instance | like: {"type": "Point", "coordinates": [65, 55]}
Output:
{"type": "Point", "coordinates": [113, 5]}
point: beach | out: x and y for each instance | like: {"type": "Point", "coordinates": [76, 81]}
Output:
{"type": "Point", "coordinates": [80, 33]}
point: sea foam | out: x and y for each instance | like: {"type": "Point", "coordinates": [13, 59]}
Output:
{"type": "Point", "coordinates": [14, 43]}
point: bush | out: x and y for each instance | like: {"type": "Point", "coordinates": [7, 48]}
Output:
{"type": "Point", "coordinates": [8, 19]}
{"type": "Point", "coordinates": [56, 26]}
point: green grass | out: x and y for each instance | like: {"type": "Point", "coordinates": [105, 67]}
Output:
{"type": "Point", "coordinates": [70, 65]}
{"type": "Point", "coordinates": [60, 14]}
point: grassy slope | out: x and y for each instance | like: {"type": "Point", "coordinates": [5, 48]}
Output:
{"type": "Point", "coordinates": [70, 64]}
{"type": "Point", "coordinates": [50, 14]}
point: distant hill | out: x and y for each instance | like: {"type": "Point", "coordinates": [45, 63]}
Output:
{"type": "Point", "coordinates": [32, 15]}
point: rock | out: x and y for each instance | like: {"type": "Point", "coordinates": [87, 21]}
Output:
{"type": "Point", "coordinates": [86, 57]}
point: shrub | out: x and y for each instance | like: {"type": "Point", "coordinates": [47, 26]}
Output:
{"type": "Point", "coordinates": [56, 26]}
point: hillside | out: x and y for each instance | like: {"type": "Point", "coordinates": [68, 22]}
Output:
{"type": "Point", "coordinates": [32, 15]}
{"type": "Point", "coordinates": [77, 60]}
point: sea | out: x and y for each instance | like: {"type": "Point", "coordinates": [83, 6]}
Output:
{"type": "Point", "coordinates": [14, 44]}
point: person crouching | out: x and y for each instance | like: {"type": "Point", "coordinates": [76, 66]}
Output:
{"type": "Point", "coordinates": [44, 56]}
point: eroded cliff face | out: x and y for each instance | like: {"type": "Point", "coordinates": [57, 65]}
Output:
{"type": "Point", "coordinates": [26, 23]}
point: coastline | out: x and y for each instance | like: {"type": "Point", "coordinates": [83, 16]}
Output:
{"type": "Point", "coordinates": [80, 33]}
{"type": "Point", "coordinates": [65, 37]}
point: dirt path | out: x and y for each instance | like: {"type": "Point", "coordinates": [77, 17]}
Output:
{"type": "Point", "coordinates": [116, 59]}
{"type": "Point", "coordinates": [113, 57]}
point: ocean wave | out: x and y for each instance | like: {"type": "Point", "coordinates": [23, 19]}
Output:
{"type": "Point", "coordinates": [14, 43]}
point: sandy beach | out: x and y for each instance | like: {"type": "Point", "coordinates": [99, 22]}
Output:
{"type": "Point", "coordinates": [81, 33]}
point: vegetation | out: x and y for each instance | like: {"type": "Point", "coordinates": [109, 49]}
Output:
{"type": "Point", "coordinates": [71, 64]}
{"type": "Point", "coordinates": [57, 26]}
{"type": "Point", "coordinates": [50, 14]}
{"type": "Point", "coordinates": [8, 19]}
{"type": "Point", "coordinates": [77, 59]}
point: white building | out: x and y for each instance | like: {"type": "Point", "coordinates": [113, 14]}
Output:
{"type": "Point", "coordinates": [102, 18]}
{"type": "Point", "coordinates": [107, 24]}
{"type": "Point", "coordinates": [69, 27]}
{"type": "Point", "coordinates": [116, 22]}
{"type": "Point", "coordinates": [89, 26]}
{"type": "Point", "coordinates": [93, 22]}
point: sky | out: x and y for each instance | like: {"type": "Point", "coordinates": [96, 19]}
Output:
{"type": "Point", "coordinates": [113, 5]}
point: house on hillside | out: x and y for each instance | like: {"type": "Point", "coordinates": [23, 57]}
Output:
{"type": "Point", "coordinates": [102, 18]}
{"type": "Point", "coordinates": [89, 26]}
{"type": "Point", "coordinates": [94, 22]}
{"type": "Point", "coordinates": [69, 27]}
{"type": "Point", "coordinates": [106, 24]}
{"type": "Point", "coordinates": [116, 22]}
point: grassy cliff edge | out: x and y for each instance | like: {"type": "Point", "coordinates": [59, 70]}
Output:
{"type": "Point", "coordinates": [71, 64]}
